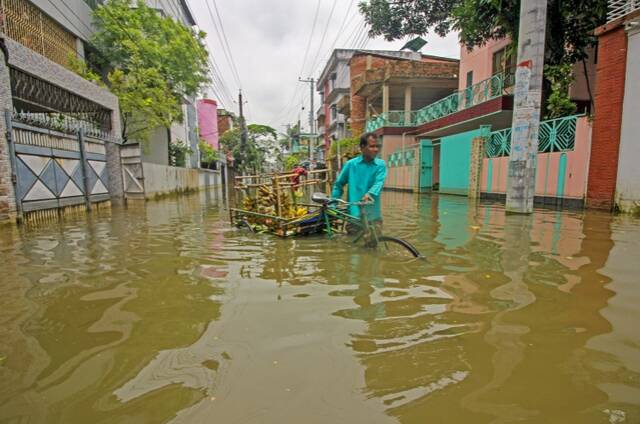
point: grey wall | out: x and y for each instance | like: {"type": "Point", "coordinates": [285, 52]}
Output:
{"type": "Point", "coordinates": [171, 8]}
{"type": "Point", "coordinates": [64, 12]}
{"type": "Point", "coordinates": [156, 150]}
{"type": "Point", "coordinates": [628, 182]}
{"type": "Point", "coordinates": [192, 126]}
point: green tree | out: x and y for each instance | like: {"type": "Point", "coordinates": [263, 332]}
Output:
{"type": "Point", "coordinates": [152, 61]}
{"type": "Point", "coordinates": [570, 23]}
{"type": "Point", "coordinates": [262, 148]}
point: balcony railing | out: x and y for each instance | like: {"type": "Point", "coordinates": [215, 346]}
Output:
{"type": "Point", "coordinates": [481, 92]}
{"type": "Point", "coordinates": [393, 118]}
{"type": "Point", "coordinates": [555, 135]}
{"type": "Point", "coordinates": [620, 8]}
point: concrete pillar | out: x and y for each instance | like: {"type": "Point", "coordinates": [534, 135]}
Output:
{"type": "Point", "coordinates": [477, 159]}
{"type": "Point", "coordinates": [408, 92]}
{"type": "Point", "coordinates": [7, 194]}
{"type": "Point", "coordinates": [628, 180]}
{"type": "Point", "coordinates": [526, 114]}
{"type": "Point", "coordinates": [385, 98]}
{"type": "Point", "coordinates": [475, 166]}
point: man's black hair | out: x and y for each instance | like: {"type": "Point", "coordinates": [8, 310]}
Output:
{"type": "Point", "coordinates": [364, 138]}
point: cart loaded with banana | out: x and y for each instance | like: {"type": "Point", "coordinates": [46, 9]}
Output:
{"type": "Point", "coordinates": [279, 203]}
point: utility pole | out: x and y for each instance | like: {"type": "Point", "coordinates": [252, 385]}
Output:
{"type": "Point", "coordinates": [243, 125]}
{"type": "Point", "coordinates": [311, 82]}
{"type": "Point", "coordinates": [526, 111]}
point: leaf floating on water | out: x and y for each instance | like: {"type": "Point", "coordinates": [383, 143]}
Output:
{"type": "Point", "coordinates": [487, 276]}
{"type": "Point", "coordinates": [226, 356]}
{"type": "Point", "coordinates": [2, 359]}
{"type": "Point", "coordinates": [475, 227]}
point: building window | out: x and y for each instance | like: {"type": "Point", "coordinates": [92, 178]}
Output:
{"type": "Point", "coordinates": [469, 79]}
{"type": "Point", "coordinates": [334, 112]}
{"type": "Point", "coordinates": [502, 63]}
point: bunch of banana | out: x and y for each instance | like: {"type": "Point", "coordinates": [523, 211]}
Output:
{"type": "Point", "coordinates": [249, 204]}
{"type": "Point", "coordinates": [296, 211]}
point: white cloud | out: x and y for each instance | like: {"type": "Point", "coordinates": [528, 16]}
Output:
{"type": "Point", "coordinates": [268, 39]}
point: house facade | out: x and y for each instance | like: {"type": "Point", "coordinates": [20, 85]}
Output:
{"type": "Point", "coordinates": [431, 146]}
{"type": "Point", "coordinates": [57, 130]}
{"type": "Point", "coordinates": [334, 85]}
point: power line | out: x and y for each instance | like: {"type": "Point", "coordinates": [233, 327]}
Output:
{"type": "Point", "coordinates": [289, 105]}
{"type": "Point", "coordinates": [222, 38]}
{"type": "Point", "coordinates": [313, 28]}
{"type": "Point", "coordinates": [226, 42]}
{"type": "Point", "coordinates": [77, 17]}
{"type": "Point", "coordinates": [324, 34]}
{"type": "Point", "coordinates": [217, 78]}
{"type": "Point", "coordinates": [339, 32]}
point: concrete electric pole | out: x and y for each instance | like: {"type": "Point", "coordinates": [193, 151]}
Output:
{"type": "Point", "coordinates": [526, 111]}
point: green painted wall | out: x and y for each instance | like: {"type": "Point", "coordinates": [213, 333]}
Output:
{"type": "Point", "coordinates": [455, 157]}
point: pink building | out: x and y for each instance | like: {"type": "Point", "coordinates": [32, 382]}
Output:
{"type": "Point", "coordinates": [208, 121]}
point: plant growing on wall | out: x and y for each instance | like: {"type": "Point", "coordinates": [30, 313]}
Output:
{"type": "Point", "coordinates": [178, 151]}
{"type": "Point", "coordinates": [153, 62]}
{"type": "Point", "coordinates": [208, 155]}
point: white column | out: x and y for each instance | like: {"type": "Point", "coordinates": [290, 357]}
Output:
{"type": "Point", "coordinates": [408, 92]}
{"type": "Point", "coordinates": [385, 98]}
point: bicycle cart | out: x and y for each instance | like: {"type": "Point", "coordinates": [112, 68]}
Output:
{"type": "Point", "coordinates": [270, 205]}
{"type": "Point", "coordinates": [278, 203]}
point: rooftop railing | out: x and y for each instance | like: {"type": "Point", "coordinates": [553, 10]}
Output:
{"type": "Point", "coordinates": [620, 8]}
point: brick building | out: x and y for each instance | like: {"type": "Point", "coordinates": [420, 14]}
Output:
{"type": "Point", "coordinates": [614, 175]}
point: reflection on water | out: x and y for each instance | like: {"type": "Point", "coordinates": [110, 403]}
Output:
{"type": "Point", "coordinates": [163, 313]}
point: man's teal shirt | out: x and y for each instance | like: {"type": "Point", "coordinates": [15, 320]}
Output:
{"type": "Point", "coordinates": [362, 177]}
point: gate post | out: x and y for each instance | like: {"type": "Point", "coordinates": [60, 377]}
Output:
{"type": "Point", "coordinates": [83, 166]}
{"type": "Point", "coordinates": [477, 158]}
{"type": "Point", "coordinates": [12, 172]}
{"type": "Point", "coordinates": [8, 201]}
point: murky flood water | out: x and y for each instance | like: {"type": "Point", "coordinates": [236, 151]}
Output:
{"type": "Point", "coordinates": [164, 313]}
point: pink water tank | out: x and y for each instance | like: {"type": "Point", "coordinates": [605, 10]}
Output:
{"type": "Point", "coordinates": [208, 121]}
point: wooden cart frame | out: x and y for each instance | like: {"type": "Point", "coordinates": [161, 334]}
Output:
{"type": "Point", "coordinates": [278, 224]}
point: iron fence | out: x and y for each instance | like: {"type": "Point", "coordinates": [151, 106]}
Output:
{"type": "Point", "coordinates": [555, 135]}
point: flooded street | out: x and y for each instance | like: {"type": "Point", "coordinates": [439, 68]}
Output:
{"type": "Point", "coordinates": [165, 313]}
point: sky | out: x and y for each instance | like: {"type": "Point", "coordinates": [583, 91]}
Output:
{"type": "Point", "coordinates": [267, 51]}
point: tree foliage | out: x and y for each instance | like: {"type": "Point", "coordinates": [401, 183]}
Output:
{"type": "Point", "coordinates": [153, 62]}
{"type": "Point", "coordinates": [349, 147]}
{"type": "Point", "coordinates": [208, 155]}
{"type": "Point", "coordinates": [262, 147]}
{"type": "Point", "coordinates": [569, 33]}
{"type": "Point", "coordinates": [558, 103]}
